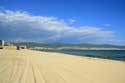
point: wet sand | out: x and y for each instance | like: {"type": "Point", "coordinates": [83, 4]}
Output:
{"type": "Point", "coordinates": [26, 66]}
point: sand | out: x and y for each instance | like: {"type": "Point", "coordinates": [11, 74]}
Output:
{"type": "Point", "coordinates": [26, 66]}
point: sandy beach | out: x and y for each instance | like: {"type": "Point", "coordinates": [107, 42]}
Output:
{"type": "Point", "coordinates": [26, 66]}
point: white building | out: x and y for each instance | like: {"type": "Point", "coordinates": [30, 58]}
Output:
{"type": "Point", "coordinates": [2, 42]}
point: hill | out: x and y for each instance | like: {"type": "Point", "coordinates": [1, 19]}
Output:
{"type": "Point", "coordinates": [56, 45]}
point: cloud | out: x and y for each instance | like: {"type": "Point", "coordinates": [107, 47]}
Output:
{"type": "Point", "coordinates": [107, 25]}
{"type": "Point", "coordinates": [116, 41]}
{"type": "Point", "coordinates": [22, 26]}
{"type": "Point", "coordinates": [71, 21]}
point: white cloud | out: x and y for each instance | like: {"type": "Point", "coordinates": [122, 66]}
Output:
{"type": "Point", "coordinates": [107, 25]}
{"type": "Point", "coordinates": [71, 21]}
{"type": "Point", "coordinates": [21, 25]}
{"type": "Point", "coordinates": [116, 41]}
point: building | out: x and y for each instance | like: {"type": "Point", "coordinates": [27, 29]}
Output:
{"type": "Point", "coordinates": [2, 42]}
{"type": "Point", "coordinates": [4, 45]}
{"type": "Point", "coordinates": [21, 47]}
{"type": "Point", "coordinates": [10, 46]}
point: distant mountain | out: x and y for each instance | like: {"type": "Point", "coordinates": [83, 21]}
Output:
{"type": "Point", "coordinates": [56, 45]}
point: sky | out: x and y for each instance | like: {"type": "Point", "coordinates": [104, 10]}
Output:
{"type": "Point", "coordinates": [63, 21]}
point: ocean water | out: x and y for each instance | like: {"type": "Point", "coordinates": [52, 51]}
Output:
{"type": "Point", "coordinates": [105, 54]}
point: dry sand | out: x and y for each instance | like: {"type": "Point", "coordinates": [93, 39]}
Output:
{"type": "Point", "coordinates": [27, 66]}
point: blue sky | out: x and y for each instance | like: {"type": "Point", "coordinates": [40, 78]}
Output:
{"type": "Point", "coordinates": [106, 16]}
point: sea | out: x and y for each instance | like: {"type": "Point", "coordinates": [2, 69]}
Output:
{"type": "Point", "coordinates": [105, 54]}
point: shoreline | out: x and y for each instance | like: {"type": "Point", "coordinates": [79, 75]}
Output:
{"type": "Point", "coordinates": [84, 54]}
